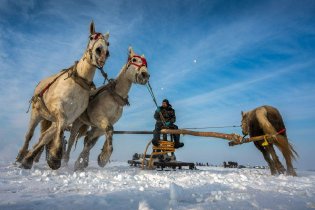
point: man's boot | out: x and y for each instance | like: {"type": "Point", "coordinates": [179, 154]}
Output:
{"type": "Point", "coordinates": [177, 143]}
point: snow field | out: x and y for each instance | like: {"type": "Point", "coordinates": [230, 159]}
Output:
{"type": "Point", "coordinates": [118, 186]}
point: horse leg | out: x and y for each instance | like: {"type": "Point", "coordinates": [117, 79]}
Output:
{"type": "Point", "coordinates": [287, 152]}
{"type": "Point", "coordinates": [107, 150]}
{"type": "Point", "coordinates": [73, 134]}
{"type": "Point", "coordinates": [45, 124]}
{"type": "Point", "coordinates": [35, 119]}
{"type": "Point", "coordinates": [89, 141]}
{"type": "Point", "coordinates": [55, 148]}
{"type": "Point", "coordinates": [278, 165]}
{"type": "Point", "coordinates": [45, 138]}
{"type": "Point", "coordinates": [37, 157]}
{"type": "Point", "coordinates": [267, 158]}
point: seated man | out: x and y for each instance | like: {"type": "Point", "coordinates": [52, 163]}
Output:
{"type": "Point", "coordinates": [168, 114]}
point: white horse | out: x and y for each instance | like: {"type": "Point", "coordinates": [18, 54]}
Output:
{"type": "Point", "coordinates": [61, 99]}
{"type": "Point", "coordinates": [105, 109]}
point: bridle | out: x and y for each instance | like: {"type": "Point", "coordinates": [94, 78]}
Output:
{"type": "Point", "coordinates": [94, 37]}
{"type": "Point", "coordinates": [131, 62]}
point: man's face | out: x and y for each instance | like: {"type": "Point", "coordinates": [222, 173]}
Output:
{"type": "Point", "coordinates": [164, 104]}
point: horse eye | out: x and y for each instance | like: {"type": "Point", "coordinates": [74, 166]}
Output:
{"type": "Point", "coordinates": [98, 50]}
{"type": "Point", "coordinates": [134, 60]}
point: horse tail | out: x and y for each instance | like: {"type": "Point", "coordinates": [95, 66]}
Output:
{"type": "Point", "coordinates": [286, 147]}
{"type": "Point", "coordinates": [44, 125]}
{"type": "Point", "coordinates": [294, 153]}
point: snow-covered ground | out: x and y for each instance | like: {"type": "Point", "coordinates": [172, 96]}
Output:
{"type": "Point", "coordinates": [118, 186]}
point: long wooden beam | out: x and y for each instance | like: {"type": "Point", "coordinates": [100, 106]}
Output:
{"type": "Point", "coordinates": [268, 138]}
{"type": "Point", "coordinates": [235, 139]}
{"type": "Point", "coordinates": [230, 137]}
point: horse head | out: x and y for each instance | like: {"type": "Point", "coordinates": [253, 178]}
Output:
{"type": "Point", "coordinates": [137, 68]}
{"type": "Point", "coordinates": [244, 124]}
{"type": "Point", "coordinates": [97, 48]}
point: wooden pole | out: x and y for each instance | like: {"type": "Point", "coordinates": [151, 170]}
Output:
{"type": "Point", "coordinates": [235, 139]}
{"type": "Point", "coordinates": [268, 138]}
{"type": "Point", "coordinates": [230, 137]}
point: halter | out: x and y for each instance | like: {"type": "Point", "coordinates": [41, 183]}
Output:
{"type": "Point", "coordinates": [143, 60]}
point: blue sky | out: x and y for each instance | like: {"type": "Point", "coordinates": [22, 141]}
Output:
{"type": "Point", "coordinates": [211, 59]}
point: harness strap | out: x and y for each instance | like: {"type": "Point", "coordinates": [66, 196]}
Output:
{"type": "Point", "coordinates": [79, 80]}
{"type": "Point", "coordinates": [281, 131]}
{"type": "Point", "coordinates": [266, 142]}
{"type": "Point", "coordinates": [119, 99]}
{"type": "Point", "coordinates": [110, 87]}
{"type": "Point", "coordinates": [72, 72]}
{"type": "Point", "coordinates": [41, 93]}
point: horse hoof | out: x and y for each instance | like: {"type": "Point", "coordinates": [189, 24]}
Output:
{"type": "Point", "coordinates": [21, 156]}
{"type": "Point", "coordinates": [282, 171]}
{"type": "Point", "coordinates": [27, 163]}
{"type": "Point", "coordinates": [102, 162]}
{"type": "Point", "coordinates": [80, 164]}
{"type": "Point", "coordinates": [65, 161]}
{"type": "Point", "coordinates": [36, 160]}
{"type": "Point", "coordinates": [291, 173]}
{"type": "Point", "coordinates": [54, 163]}
{"type": "Point", "coordinates": [54, 160]}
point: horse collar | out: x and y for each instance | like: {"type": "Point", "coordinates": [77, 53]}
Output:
{"type": "Point", "coordinates": [78, 79]}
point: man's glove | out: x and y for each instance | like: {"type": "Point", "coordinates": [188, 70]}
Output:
{"type": "Point", "coordinates": [167, 124]}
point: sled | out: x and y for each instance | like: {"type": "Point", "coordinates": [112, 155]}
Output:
{"type": "Point", "coordinates": [161, 157]}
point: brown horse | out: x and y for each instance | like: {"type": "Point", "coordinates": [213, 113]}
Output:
{"type": "Point", "coordinates": [268, 120]}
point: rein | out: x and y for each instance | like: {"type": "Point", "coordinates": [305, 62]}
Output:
{"type": "Point", "coordinates": [112, 83]}
{"type": "Point", "coordinates": [227, 126]}
{"type": "Point", "coordinates": [154, 100]}
{"type": "Point", "coordinates": [96, 37]}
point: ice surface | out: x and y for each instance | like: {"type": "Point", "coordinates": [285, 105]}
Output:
{"type": "Point", "coordinates": [118, 186]}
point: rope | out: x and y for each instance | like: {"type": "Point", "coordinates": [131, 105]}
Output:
{"type": "Point", "coordinates": [163, 120]}
{"type": "Point", "coordinates": [154, 100]}
{"type": "Point", "coordinates": [151, 93]}
{"type": "Point", "coordinates": [29, 105]}
{"type": "Point", "coordinates": [227, 126]}
{"type": "Point", "coordinates": [104, 74]}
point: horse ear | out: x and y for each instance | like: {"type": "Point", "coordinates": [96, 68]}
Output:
{"type": "Point", "coordinates": [131, 52]}
{"type": "Point", "coordinates": [92, 28]}
{"type": "Point", "coordinates": [106, 36]}
{"type": "Point", "coordinates": [142, 56]}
